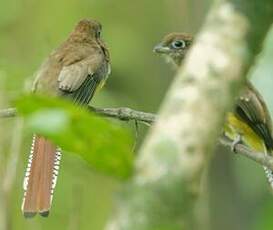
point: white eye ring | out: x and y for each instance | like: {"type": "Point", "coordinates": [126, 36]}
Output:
{"type": "Point", "coordinates": [178, 44]}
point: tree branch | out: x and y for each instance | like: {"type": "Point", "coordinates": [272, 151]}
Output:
{"type": "Point", "coordinates": [126, 114]}
{"type": "Point", "coordinates": [9, 112]}
{"type": "Point", "coordinates": [259, 157]}
{"type": "Point", "coordinates": [122, 113]}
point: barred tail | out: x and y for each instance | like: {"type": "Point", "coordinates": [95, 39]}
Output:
{"type": "Point", "coordinates": [41, 177]}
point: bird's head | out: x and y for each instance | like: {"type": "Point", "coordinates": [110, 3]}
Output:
{"type": "Point", "coordinates": [87, 29]}
{"type": "Point", "coordinates": [174, 47]}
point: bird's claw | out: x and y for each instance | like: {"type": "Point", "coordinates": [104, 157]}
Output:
{"type": "Point", "coordinates": [64, 87]}
{"type": "Point", "coordinates": [236, 141]}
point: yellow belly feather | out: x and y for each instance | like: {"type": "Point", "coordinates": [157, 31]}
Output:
{"type": "Point", "coordinates": [235, 126]}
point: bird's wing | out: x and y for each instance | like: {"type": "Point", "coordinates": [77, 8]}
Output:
{"type": "Point", "coordinates": [79, 79]}
{"type": "Point", "coordinates": [86, 91]}
{"type": "Point", "coordinates": [72, 76]}
{"type": "Point", "coordinates": [251, 108]}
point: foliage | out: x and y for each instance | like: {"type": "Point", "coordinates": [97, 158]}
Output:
{"type": "Point", "coordinates": [106, 146]}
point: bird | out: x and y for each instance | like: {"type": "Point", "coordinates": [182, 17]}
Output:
{"type": "Point", "coordinates": [249, 122]}
{"type": "Point", "coordinates": [75, 70]}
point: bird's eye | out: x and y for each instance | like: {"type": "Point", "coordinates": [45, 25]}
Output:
{"type": "Point", "coordinates": [179, 44]}
{"type": "Point", "coordinates": [98, 33]}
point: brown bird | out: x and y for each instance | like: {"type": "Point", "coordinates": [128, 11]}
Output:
{"type": "Point", "coordinates": [75, 70]}
{"type": "Point", "coordinates": [250, 121]}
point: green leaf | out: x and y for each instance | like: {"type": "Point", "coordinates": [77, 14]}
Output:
{"type": "Point", "coordinates": [105, 145]}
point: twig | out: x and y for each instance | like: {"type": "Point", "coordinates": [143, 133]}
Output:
{"type": "Point", "coordinates": [125, 114]}
{"type": "Point", "coordinates": [122, 113]}
{"type": "Point", "coordinates": [136, 136]}
{"type": "Point", "coordinates": [10, 112]}
{"type": "Point", "coordinates": [241, 149]}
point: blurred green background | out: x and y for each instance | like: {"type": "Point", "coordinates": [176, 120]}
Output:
{"type": "Point", "coordinates": [239, 197]}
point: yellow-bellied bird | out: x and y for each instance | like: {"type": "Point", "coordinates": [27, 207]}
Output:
{"type": "Point", "coordinates": [250, 120]}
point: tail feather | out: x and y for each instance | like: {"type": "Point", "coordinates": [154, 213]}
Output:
{"type": "Point", "coordinates": [269, 176]}
{"type": "Point", "coordinates": [268, 172]}
{"type": "Point", "coordinates": [41, 177]}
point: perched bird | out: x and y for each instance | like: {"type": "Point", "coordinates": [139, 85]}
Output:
{"type": "Point", "coordinates": [75, 70]}
{"type": "Point", "coordinates": [249, 122]}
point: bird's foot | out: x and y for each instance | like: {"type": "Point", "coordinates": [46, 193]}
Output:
{"type": "Point", "coordinates": [236, 141]}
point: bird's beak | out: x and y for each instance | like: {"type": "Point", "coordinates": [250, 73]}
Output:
{"type": "Point", "coordinates": [161, 49]}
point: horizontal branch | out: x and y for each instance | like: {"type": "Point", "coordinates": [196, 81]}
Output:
{"type": "Point", "coordinates": [9, 112]}
{"type": "Point", "coordinates": [243, 150]}
{"type": "Point", "coordinates": [122, 113]}
{"type": "Point", "coordinates": [127, 114]}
